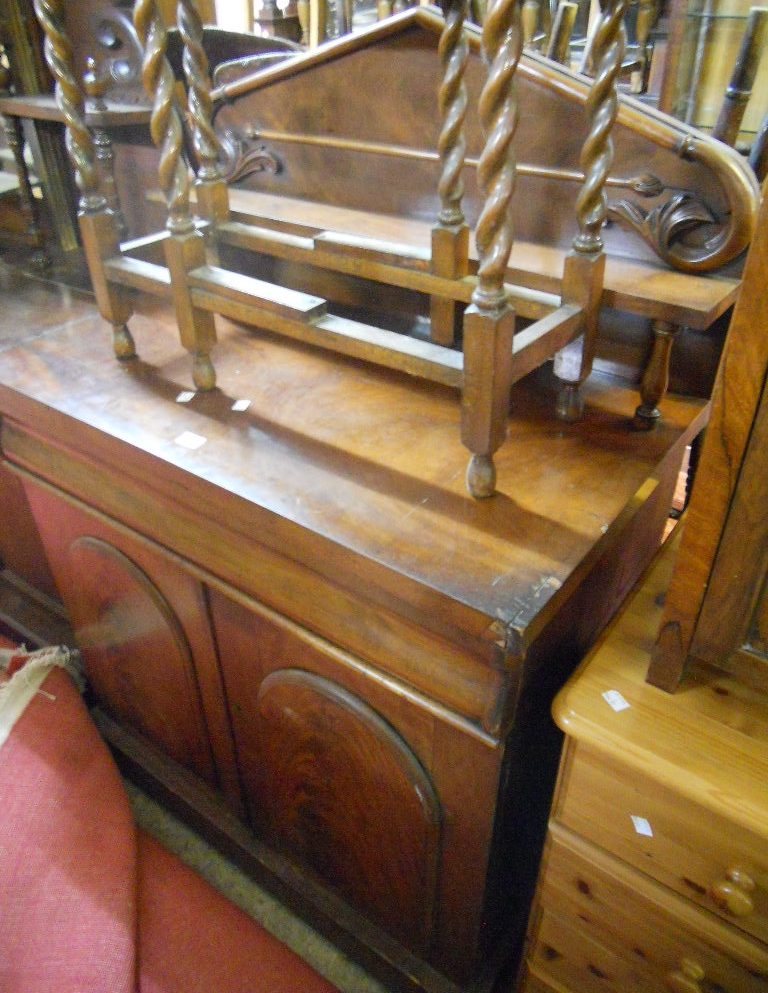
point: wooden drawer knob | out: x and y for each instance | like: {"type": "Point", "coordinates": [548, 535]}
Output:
{"type": "Point", "coordinates": [686, 979]}
{"type": "Point", "coordinates": [732, 893]}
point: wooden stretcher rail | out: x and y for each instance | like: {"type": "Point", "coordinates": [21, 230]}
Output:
{"type": "Point", "coordinates": [340, 335]}
{"type": "Point", "coordinates": [360, 257]}
{"type": "Point", "coordinates": [139, 275]}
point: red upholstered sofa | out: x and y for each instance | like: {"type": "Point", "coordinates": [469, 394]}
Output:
{"type": "Point", "coordinates": [89, 903]}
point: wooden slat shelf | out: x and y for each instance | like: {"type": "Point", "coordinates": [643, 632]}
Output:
{"type": "Point", "coordinates": [639, 287]}
{"type": "Point", "coordinates": [43, 107]}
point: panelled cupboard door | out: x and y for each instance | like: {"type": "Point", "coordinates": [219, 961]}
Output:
{"type": "Point", "coordinates": [328, 780]}
{"type": "Point", "coordinates": [141, 624]}
{"type": "Point", "coordinates": [371, 787]}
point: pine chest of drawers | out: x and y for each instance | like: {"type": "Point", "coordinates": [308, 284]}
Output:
{"type": "Point", "coordinates": [655, 874]}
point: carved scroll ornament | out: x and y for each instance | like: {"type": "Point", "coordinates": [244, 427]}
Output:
{"type": "Point", "coordinates": [241, 158]}
{"type": "Point", "coordinates": [683, 230]}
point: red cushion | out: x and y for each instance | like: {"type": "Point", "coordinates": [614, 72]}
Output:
{"type": "Point", "coordinates": [67, 854]}
{"type": "Point", "coordinates": [193, 940]}
{"type": "Point", "coordinates": [71, 867]}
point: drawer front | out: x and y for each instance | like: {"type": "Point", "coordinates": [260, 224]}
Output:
{"type": "Point", "coordinates": [604, 927]}
{"type": "Point", "coordinates": [703, 857]}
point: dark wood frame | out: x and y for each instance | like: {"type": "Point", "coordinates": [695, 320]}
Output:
{"type": "Point", "coordinates": [720, 571]}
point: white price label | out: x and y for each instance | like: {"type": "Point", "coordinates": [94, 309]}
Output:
{"type": "Point", "coordinates": [642, 826]}
{"type": "Point", "coordinates": [188, 439]}
{"type": "Point", "coordinates": [615, 700]}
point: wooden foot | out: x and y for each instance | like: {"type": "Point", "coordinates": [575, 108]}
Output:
{"type": "Point", "coordinates": [485, 393]}
{"type": "Point", "coordinates": [646, 418]}
{"type": "Point", "coordinates": [656, 376]}
{"type": "Point", "coordinates": [100, 240]}
{"type": "Point", "coordinates": [122, 342]}
{"type": "Point", "coordinates": [570, 402]}
{"type": "Point", "coordinates": [185, 252]}
{"type": "Point", "coordinates": [481, 476]}
{"type": "Point", "coordinates": [203, 373]}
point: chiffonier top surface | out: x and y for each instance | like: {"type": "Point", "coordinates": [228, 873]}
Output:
{"type": "Point", "coordinates": [341, 466]}
{"type": "Point", "coordinates": [707, 742]}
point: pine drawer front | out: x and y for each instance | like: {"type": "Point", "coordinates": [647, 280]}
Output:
{"type": "Point", "coordinates": [700, 855]}
{"type": "Point", "coordinates": [604, 927]}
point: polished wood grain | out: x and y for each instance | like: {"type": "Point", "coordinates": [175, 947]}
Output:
{"type": "Point", "coordinates": [326, 528]}
{"type": "Point", "coordinates": [402, 489]}
{"type": "Point", "coordinates": [136, 649]}
{"type": "Point", "coordinates": [730, 604]}
{"type": "Point", "coordinates": [737, 407]}
{"type": "Point", "coordinates": [196, 804]}
{"type": "Point", "coordinates": [335, 786]}
{"type": "Point", "coordinates": [21, 551]}
{"type": "Point", "coordinates": [450, 761]}
{"type": "Point", "coordinates": [551, 93]}
{"type": "Point", "coordinates": [488, 365]}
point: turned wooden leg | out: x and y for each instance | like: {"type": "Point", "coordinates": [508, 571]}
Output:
{"type": "Point", "coordinates": [318, 18]}
{"type": "Point", "coordinates": [582, 285]}
{"type": "Point", "coordinates": [646, 13]}
{"type": "Point", "coordinates": [185, 251]}
{"type": "Point", "coordinates": [344, 14]}
{"type": "Point", "coordinates": [100, 238]}
{"type": "Point", "coordinates": [531, 13]}
{"type": "Point", "coordinates": [558, 47]}
{"type": "Point", "coordinates": [14, 134]}
{"type": "Point", "coordinates": [302, 11]}
{"type": "Point", "coordinates": [656, 376]}
{"type": "Point", "coordinates": [106, 160]}
{"type": "Point", "coordinates": [485, 396]}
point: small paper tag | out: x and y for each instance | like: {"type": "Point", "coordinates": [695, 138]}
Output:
{"type": "Point", "coordinates": [241, 405]}
{"type": "Point", "coordinates": [185, 397]}
{"type": "Point", "coordinates": [615, 700]}
{"type": "Point", "coordinates": [187, 439]}
{"type": "Point", "coordinates": [642, 826]}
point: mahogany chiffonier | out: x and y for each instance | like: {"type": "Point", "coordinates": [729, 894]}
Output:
{"type": "Point", "coordinates": [301, 630]}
